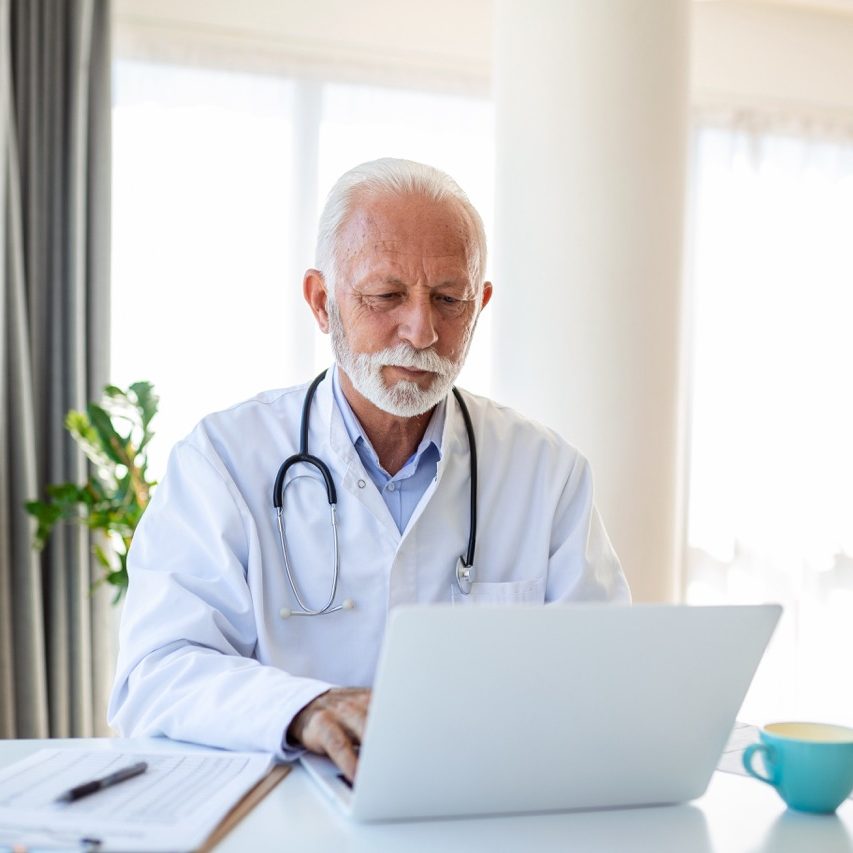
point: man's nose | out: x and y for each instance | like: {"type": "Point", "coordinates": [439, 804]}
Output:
{"type": "Point", "coordinates": [417, 325]}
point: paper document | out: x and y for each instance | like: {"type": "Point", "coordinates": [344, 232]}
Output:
{"type": "Point", "coordinates": [173, 806]}
{"type": "Point", "coordinates": [741, 737]}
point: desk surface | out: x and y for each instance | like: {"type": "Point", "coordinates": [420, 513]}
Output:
{"type": "Point", "coordinates": [736, 815]}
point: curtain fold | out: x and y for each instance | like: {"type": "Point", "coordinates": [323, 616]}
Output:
{"type": "Point", "coordinates": [56, 638]}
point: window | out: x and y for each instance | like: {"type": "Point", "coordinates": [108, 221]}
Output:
{"type": "Point", "coordinates": [218, 179]}
{"type": "Point", "coordinates": [770, 513]}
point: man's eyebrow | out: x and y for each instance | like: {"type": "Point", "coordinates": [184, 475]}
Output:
{"type": "Point", "coordinates": [394, 281]}
{"type": "Point", "coordinates": [383, 281]}
{"type": "Point", "coordinates": [450, 282]}
{"type": "Point", "coordinates": [453, 282]}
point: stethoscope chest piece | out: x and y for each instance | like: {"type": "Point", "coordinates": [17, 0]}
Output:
{"type": "Point", "coordinates": [464, 576]}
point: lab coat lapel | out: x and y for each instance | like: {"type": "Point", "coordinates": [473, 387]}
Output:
{"type": "Point", "coordinates": [452, 437]}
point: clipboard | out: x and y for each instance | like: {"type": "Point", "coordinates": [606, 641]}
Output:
{"type": "Point", "coordinates": [245, 805]}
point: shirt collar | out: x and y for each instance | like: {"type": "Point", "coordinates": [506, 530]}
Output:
{"type": "Point", "coordinates": [355, 431]}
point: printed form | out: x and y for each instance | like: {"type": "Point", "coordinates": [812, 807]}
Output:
{"type": "Point", "coordinates": [174, 805]}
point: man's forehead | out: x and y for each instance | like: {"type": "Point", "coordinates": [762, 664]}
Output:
{"type": "Point", "coordinates": [429, 247]}
{"type": "Point", "coordinates": [407, 224]}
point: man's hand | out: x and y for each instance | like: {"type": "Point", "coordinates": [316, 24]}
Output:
{"type": "Point", "coordinates": [333, 725]}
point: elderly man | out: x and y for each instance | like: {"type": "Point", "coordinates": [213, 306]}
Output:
{"type": "Point", "coordinates": [247, 628]}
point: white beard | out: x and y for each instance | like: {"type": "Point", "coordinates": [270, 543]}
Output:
{"type": "Point", "coordinates": [404, 398]}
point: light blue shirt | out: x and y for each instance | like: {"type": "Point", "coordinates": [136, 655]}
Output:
{"type": "Point", "coordinates": [402, 492]}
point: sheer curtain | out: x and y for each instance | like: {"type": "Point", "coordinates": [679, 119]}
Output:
{"type": "Point", "coordinates": [219, 176]}
{"type": "Point", "coordinates": [770, 507]}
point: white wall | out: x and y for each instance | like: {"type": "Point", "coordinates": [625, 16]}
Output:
{"type": "Point", "coordinates": [774, 56]}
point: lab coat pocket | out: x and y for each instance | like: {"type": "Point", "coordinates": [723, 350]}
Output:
{"type": "Point", "coordinates": [515, 592]}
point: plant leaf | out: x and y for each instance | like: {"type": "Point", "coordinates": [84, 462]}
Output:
{"type": "Point", "coordinates": [78, 424]}
{"type": "Point", "coordinates": [110, 441]}
{"type": "Point", "coordinates": [64, 493]}
{"type": "Point", "coordinates": [146, 400]}
{"type": "Point", "coordinates": [47, 515]}
{"type": "Point", "coordinates": [102, 558]}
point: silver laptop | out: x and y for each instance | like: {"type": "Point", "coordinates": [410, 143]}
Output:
{"type": "Point", "coordinates": [484, 710]}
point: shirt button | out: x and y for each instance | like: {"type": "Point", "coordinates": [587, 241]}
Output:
{"type": "Point", "coordinates": [391, 487]}
{"type": "Point", "coordinates": [361, 484]}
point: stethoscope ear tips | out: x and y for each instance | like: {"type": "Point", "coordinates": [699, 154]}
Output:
{"type": "Point", "coordinates": [285, 613]}
{"type": "Point", "coordinates": [347, 604]}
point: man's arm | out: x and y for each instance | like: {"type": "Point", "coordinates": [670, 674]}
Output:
{"type": "Point", "coordinates": [583, 565]}
{"type": "Point", "coordinates": [186, 665]}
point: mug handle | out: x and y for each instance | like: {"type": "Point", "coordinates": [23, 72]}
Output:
{"type": "Point", "coordinates": [749, 752]}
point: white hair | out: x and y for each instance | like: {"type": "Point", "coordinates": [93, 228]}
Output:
{"type": "Point", "coordinates": [395, 177]}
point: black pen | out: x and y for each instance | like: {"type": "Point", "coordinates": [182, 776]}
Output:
{"type": "Point", "coordinates": [99, 784]}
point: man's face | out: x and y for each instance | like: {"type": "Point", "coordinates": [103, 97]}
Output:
{"type": "Point", "coordinates": [405, 302]}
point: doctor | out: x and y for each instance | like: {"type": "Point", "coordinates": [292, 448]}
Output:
{"type": "Point", "coordinates": [216, 642]}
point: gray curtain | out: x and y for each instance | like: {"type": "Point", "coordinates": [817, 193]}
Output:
{"type": "Point", "coordinates": [56, 638]}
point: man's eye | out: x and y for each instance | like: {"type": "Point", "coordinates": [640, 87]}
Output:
{"type": "Point", "coordinates": [382, 297]}
{"type": "Point", "coordinates": [452, 306]}
{"type": "Point", "coordinates": [382, 300]}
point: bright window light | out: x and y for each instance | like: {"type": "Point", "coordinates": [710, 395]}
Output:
{"type": "Point", "coordinates": [771, 457]}
{"type": "Point", "coordinates": [218, 178]}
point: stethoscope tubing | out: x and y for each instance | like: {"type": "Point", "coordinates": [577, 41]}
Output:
{"type": "Point", "coordinates": [464, 568]}
{"type": "Point", "coordinates": [468, 559]}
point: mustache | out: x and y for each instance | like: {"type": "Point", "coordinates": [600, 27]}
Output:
{"type": "Point", "coordinates": [405, 355]}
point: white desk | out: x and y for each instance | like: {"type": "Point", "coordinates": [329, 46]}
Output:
{"type": "Point", "coordinates": [736, 815]}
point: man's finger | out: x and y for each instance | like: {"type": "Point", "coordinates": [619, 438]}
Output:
{"type": "Point", "coordinates": [352, 715]}
{"type": "Point", "coordinates": [338, 746]}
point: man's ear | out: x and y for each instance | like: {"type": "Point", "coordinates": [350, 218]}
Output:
{"type": "Point", "coordinates": [314, 291]}
{"type": "Point", "coordinates": [487, 294]}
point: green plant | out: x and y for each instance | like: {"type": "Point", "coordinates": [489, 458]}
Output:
{"type": "Point", "coordinates": [114, 435]}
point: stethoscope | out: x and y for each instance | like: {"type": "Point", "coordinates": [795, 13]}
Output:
{"type": "Point", "coordinates": [464, 566]}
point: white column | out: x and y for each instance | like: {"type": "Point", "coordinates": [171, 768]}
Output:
{"type": "Point", "coordinates": [591, 101]}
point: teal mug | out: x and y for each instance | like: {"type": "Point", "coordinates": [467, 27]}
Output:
{"type": "Point", "coordinates": [809, 764]}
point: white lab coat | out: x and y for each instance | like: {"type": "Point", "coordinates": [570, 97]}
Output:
{"type": "Point", "coordinates": [205, 655]}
